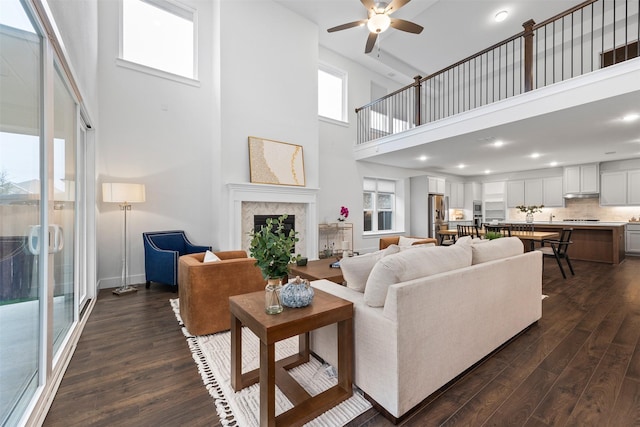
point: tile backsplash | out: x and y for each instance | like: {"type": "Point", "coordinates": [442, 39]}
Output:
{"type": "Point", "coordinates": [583, 209]}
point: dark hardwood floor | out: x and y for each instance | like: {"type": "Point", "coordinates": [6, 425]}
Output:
{"type": "Point", "coordinates": [579, 365]}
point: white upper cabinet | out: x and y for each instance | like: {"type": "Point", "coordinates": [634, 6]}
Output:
{"type": "Point", "coordinates": [515, 193]}
{"type": "Point", "coordinates": [456, 196]}
{"type": "Point", "coordinates": [436, 185]}
{"type": "Point", "coordinates": [581, 179]}
{"type": "Point", "coordinates": [613, 188]}
{"type": "Point", "coordinates": [552, 192]}
{"type": "Point", "coordinates": [633, 187]}
{"type": "Point", "coordinates": [620, 188]}
{"type": "Point", "coordinates": [533, 192]}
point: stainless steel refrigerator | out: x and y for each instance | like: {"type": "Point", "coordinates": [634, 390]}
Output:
{"type": "Point", "coordinates": [438, 213]}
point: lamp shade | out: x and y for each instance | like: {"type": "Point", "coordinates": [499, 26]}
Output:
{"type": "Point", "coordinates": [119, 192]}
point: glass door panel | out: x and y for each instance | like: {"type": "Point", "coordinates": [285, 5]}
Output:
{"type": "Point", "coordinates": [20, 178]}
{"type": "Point", "coordinates": [62, 217]}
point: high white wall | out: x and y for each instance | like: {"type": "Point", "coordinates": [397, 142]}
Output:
{"type": "Point", "coordinates": [340, 175]}
{"type": "Point", "coordinates": [158, 132]}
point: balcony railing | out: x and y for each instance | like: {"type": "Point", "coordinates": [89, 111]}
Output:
{"type": "Point", "coordinates": [587, 37]}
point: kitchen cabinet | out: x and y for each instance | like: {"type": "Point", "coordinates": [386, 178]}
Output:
{"type": "Point", "coordinates": [552, 195]}
{"type": "Point", "coordinates": [472, 192]}
{"type": "Point", "coordinates": [633, 239]}
{"type": "Point", "coordinates": [528, 192]}
{"type": "Point", "coordinates": [436, 185]}
{"type": "Point", "coordinates": [613, 188]}
{"type": "Point", "coordinates": [456, 195]}
{"type": "Point", "coordinates": [581, 179]}
{"type": "Point", "coordinates": [620, 188]}
{"type": "Point", "coordinates": [633, 187]}
{"type": "Point", "coordinates": [515, 193]}
{"type": "Point", "coordinates": [533, 192]}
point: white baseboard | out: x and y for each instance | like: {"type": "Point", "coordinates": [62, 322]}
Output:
{"type": "Point", "coordinates": [115, 282]}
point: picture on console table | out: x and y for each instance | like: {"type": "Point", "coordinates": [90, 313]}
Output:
{"type": "Point", "coordinates": [273, 162]}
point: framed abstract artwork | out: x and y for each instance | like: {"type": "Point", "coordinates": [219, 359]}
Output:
{"type": "Point", "coordinates": [274, 162]}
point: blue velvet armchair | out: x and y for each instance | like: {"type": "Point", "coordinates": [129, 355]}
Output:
{"type": "Point", "coordinates": [161, 252]}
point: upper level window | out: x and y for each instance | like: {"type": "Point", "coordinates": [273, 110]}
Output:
{"type": "Point", "coordinates": [379, 204]}
{"type": "Point", "coordinates": [160, 34]}
{"type": "Point", "coordinates": [332, 93]}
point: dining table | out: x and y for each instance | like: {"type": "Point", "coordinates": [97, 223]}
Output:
{"type": "Point", "coordinates": [526, 236]}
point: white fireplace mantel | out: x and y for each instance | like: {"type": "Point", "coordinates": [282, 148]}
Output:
{"type": "Point", "coordinates": [246, 192]}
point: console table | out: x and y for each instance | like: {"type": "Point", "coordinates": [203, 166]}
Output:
{"type": "Point", "coordinates": [326, 309]}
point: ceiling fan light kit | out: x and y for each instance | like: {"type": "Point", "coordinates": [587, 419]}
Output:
{"type": "Point", "coordinates": [379, 21]}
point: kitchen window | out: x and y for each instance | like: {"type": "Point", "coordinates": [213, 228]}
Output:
{"type": "Point", "coordinates": [379, 200]}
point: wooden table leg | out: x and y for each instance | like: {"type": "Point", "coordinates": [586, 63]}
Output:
{"type": "Point", "coordinates": [345, 354]}
{"type": "Point", "coordinates": [236, 353]}
{"type": "Point", "coordinates": [267, 385]}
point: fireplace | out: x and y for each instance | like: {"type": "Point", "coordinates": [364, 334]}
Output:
{"type": "Point", "coordinates": [260, 221]}
{"type": "Point", "coordinates": [299, 203]}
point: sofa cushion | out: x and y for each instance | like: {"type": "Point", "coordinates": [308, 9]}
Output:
{"type": "Point", "coordinates": [210, 257]}
{"type": "Point", "coordinates": [355, 270]}
{"type": "Point", "coordinates": [414, 246]}
{"type": "Point", "coordinates": [495, 249]}
{"type": "Point", "coordinates": [409, 265]}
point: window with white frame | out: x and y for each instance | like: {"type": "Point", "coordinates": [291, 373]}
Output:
{"type": "Point", "coordinates": [332, 93]}
{"type": "Point", "coordinates": [161, 35]}
{"type": "Point", "coordinates": [379, 201]}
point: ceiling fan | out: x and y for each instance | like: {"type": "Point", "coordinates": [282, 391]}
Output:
{"type": "Point", "coordinates": [379, 20]}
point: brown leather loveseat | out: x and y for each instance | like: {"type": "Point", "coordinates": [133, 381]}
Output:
{"type": "Point", "coordinates": [205, 288]}
{"type": "Point", "coordinates": [393, 240]}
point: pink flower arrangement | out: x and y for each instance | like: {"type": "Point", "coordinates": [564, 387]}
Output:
{"type": "Point", "coordinates": [344, 213]}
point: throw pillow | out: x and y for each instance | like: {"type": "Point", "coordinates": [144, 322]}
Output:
{"type": "Point", "coordinates": [355, 270]}
{"type": "Point", "coordinates": [210, 257]}
{"type": "Point", "coordinates": [409, 265]}
{"type": "Point", "coordinates": [495, 249]}
{"type": "Point", "coordinates": [407, 241]}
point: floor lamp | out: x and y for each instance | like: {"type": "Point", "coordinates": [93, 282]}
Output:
{"type": "Point", "coordinates": [124, 194]}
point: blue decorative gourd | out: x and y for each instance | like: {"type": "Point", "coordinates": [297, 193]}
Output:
{"type": "Point", "coordinates": [297, 293]}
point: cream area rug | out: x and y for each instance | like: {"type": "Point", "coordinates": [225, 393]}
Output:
{"type": "Point", "coordinates": [212, 354]}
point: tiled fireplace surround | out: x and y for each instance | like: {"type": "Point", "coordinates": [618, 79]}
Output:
{"type": "Point", "coordinates": [247, 200]}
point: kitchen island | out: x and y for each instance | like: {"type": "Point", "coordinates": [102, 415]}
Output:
{"type": "Point", "coordinates": [592, 241]}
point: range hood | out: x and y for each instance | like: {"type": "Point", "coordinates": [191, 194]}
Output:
{"type": "Point", "coordinates": [581, 195]}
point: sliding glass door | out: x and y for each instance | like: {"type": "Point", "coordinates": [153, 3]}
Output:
{"type": "Point", "coordinates": [21, 285]}
{"type": "Point", "coordinates": [40, 133]}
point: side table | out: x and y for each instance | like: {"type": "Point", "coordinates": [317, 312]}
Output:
{"type": "Point", "coordinates": [248, 310]}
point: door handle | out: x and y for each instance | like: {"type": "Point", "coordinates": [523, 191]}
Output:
{"type": "Point", "coordinates": [56, 239]}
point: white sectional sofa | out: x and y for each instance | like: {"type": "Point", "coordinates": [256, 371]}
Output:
{"type": "Point", "coordinates": [428, 314]}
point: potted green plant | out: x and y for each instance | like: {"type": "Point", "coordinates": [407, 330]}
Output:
{"type": "Point", "coordinates": [272, 247]}
{"type": "Point", "coordinates": [492, 235]}
{"type": "Point", "coordinates": [530, 210]}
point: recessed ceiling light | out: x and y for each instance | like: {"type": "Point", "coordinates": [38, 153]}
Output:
{"type": "Point", "coordinates": [535, 155]}
{"type": "Point", "coordinates": [552, 164]}
{"type": "Point", "coordinates": [461, 166]}
{"type": "Point", "coordinates": [487, 171]}
{"type": "Point", "coordinates": [423, 158]}
{"type": "Point", "coordinates": [501, 16]}
{"type": "Point", "coordinates": [498, 143]}
{"type": "Point", "coordinates": [631, 117]}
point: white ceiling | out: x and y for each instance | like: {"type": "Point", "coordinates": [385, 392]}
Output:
{"type": "Point", "coordinates": [453, 30]}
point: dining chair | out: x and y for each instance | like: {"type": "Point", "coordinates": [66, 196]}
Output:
{"type": "Point", "coordinates": [468, 230]}
{"type": "Point", "coordinates": [526, 228]}
{"type": "Point", "coordinates": [445, 239]}
{"type": "Point", "coordinates": [558, 249]}
{"type": "Point", "coordinates": [503, 230]}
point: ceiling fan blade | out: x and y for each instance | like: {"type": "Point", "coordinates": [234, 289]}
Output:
{"type": "Point", "coordinates": [409, 27]}
{"type": "Point", "coordinates": [371, 41]}
{"type": "Point", "coordinates": [369, 4]}
{"type": "Point", "coordinates": [395, 5]}
{"type": "Point", "coordinates": [346, 26]}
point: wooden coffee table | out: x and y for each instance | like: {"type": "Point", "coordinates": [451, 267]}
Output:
{"type": "Point", "coordinates": [319, 269]}
{"type": "Point", "coordinates": [248, 310]}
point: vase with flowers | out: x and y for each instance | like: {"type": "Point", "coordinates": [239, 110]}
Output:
{"type": "Point", "coordinates": [530, 210]}
{"type": "Point", "coordinates": [344, 213]}
{"type": "Point", "coordinates": [272, 247]}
